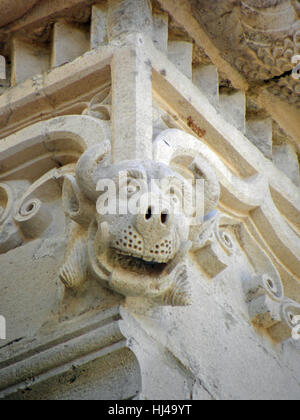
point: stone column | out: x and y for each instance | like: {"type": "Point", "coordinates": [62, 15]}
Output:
{"type": "Point", "coordinates": [129, 22]}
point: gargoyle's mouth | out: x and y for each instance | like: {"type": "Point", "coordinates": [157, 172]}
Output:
{"type": "Point", "coordinates": [136, 264]}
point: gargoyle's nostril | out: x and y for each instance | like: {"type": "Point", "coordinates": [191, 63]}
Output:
{"type": "Point", "coordinates": [148, 214]}
{"type": "Point", "coordinates": [164, 217]}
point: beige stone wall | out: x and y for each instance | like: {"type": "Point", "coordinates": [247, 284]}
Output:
{"type": "Point", "coordinates": [155, 305]}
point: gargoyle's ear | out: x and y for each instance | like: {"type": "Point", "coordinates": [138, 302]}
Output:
{"type": "Point", "coordinates": [79, 208]}
{"type": "Point", "coordinates": [93, 165]}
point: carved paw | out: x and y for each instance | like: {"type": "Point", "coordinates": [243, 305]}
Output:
{"type": "Point", "coordinates": [179, 293]}
{"type": "Point", "coordinates": [73, 273]}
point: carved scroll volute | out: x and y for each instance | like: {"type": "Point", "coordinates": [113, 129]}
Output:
{"type": "Point", "coordinates": [10, 236]}
{"type": "Point", "coordinates": [5, 202]}
{"type": "Point", "coordinates": [264, 294]}
{"type": "Point", "coordinates": [288, 320]}
{"type": "Point", "coordinates": [268, 306]}
{"type": "Point", "coordinates": [49, 149]}
{"type": "Point", "coordinates": [33, 218]}
{"type": "Point", "coordinates": [21, 219]}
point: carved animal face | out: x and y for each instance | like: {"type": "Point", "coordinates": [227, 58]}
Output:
{"type": "Point", "coordinates": [135, 220]}
{"type": "Point", "coordinates": [146, 223]}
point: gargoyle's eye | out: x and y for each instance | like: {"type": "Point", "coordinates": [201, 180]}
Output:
{"type": "Point", "coordinates": [175, 195]}
{"type": "Point", "coordinates": [133, 188]}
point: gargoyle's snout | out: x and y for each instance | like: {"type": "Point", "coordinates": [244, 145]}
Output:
{"type": "Point", "coordinates": [159, 234]}
{"type": "Point", "coordinates": [162, 218]}
{"type": "Point", "coordinates": [150, 236]}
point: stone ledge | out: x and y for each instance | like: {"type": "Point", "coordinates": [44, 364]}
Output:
{"type": "Point", "coordinates": [74, 345]}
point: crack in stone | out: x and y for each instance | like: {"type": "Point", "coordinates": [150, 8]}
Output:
{"type": "Point", "coordinates": [281, 76]}
{"type": "Point", "coordinates": [17, 340]}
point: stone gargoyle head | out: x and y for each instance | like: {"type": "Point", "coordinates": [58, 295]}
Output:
{"type": "Point", "coordinates": [131, 224]}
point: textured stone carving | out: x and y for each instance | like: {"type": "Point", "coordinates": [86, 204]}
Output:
{"type": "Point", "coordinates": [25, 212]}
{"type": "Point", "coordinates": [270, 309]}
{"type": "Point", "coordinates": [270, 30]}
{"type": "Point", "coordinates": [134, 254]}
{"type": "Point", "coordinates": [268, 306]}
{"type": "Point", "coordinates": [100, 105]}
{"type": "Point", "coordinates": [213, 248]}
{"type": "Point", "coordinates": [287, 89]}
{"type": "Point", "coordinates": [20, 219]}
{"type": "Point", "coordinates": [14, 9]}
{"type": "Point", "coordinates": [22, 215]}
{"type": "Point", "coordinates": [10, 236]}
{"type": "Point", "coordinates": [244, 261]}
{"type": "Point", "coordinates": [2, 68]}
{"type": "Point", "coordinates": [259, 38]}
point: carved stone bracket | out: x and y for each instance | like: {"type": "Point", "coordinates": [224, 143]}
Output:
{"type": "Point", "coordinates": [50, 148]}
{"type": "Point", "coordinates": [270, 309]}
{"type": "Point", "coordinates": [135, 254]}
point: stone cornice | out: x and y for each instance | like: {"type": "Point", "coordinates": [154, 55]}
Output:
{"type": "Point", "coordinates": [44, 12]}
{"type": "Point", "coordinates": [63, 352]}
{"type": "Point", "coordinates": [238, 153]}
{"type": "Point", "coordinates": [13, 10]}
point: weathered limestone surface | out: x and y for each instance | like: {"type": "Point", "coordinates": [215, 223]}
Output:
{"type": "Point", "coordinates": [14, 9]}
{"type": "Point", "coordinates": [213, 346]}
{"type": "Point", "coordinates": [99, 101]}
{"type": "Point", "coordinates": [30, 292]}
